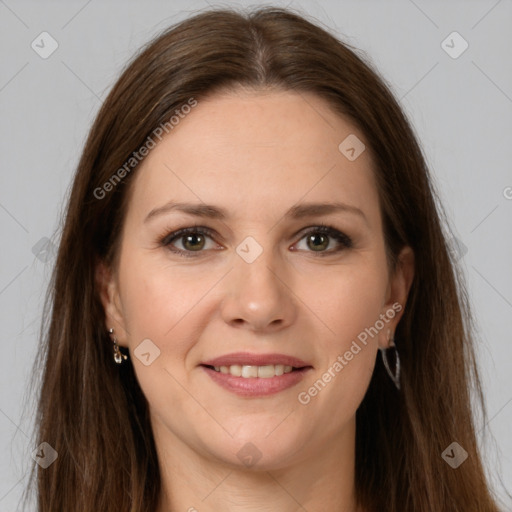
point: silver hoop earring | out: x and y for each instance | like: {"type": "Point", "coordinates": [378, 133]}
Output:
{"type": "Point", "coordinates": [395, 377]}
{"type": "Point", "coordinates": [118, 356]}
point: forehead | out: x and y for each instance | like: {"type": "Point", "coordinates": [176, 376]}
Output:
{"type": "Point", "coordinates": [255, 153]}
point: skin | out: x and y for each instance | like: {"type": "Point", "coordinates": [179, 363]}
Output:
{"type": "Point", "coordinates": [256, 154]}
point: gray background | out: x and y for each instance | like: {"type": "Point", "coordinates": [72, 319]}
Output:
{"type": "Point", "coordinates": [460, 107]}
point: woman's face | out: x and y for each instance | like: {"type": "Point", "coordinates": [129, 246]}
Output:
{"type": "Point", "coordinates": [260, 281]}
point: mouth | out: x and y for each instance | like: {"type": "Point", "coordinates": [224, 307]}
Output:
{"type": "Point", "coordinates": [256, 375]}
{"type": "Point", "coordinates": [256, 372]}
{"type": "Point", "coordinates": [248, 385]}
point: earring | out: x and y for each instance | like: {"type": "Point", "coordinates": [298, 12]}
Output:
{"type": "Point", "coordinates": [395, 377]}
{"type": "Point", "coordinates": [118, 356]}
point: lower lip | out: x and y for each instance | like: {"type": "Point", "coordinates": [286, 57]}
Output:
{"type": "Point", "coordinates": [254, 386]}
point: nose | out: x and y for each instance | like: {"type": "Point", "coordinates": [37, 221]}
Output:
{"type": "Point", "coordinates": [259, 295]}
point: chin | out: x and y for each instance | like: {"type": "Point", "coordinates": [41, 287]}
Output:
{"type": "Point", "coordinates": [259, 452]}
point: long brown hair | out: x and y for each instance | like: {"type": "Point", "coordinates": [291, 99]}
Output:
{"type": "Point", "coordinates": [93, 412]}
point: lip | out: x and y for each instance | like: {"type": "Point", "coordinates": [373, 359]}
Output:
{"type": "Point", "coordinates": [246, 358]}
{"type": "Point", "coordinates": [254, 386]}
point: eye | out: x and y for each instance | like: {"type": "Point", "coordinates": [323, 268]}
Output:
{"type": "Point", "coordinates": [193, 240]}
{"type": "Point", "coordinates": [318, 239]}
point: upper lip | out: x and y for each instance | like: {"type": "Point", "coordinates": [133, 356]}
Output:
{"type": "Point", "coordinates": [246, 358]}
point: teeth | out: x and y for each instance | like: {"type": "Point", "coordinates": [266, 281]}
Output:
{"type": "Point", "coordinates": [249, 371]}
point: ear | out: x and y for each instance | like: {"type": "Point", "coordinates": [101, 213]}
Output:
{"type": "Point", "coordinates": [397, 293]}
{"type": "Point", "coordinates": [108, 289]}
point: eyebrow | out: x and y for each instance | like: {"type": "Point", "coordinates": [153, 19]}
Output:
{"type": "Point", "coordinates": [295, 212]}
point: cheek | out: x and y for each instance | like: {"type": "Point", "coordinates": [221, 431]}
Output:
{"type": "Point", "coordinates": [155, 295]}
{"type": "Point", "coordinates": [346, 299]}
{"type": "Point", "coordinates": [349, 304]}
{"type": "Point", "coordinates": [161, 303]}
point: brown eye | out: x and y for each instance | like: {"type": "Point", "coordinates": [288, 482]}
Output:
{"type": "Point", "coordinates": [192, 240]}
{"type": "Point", "coordinates": [319, 239]}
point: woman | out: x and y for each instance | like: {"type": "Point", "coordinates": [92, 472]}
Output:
{"type": "Point", "coordinates": [253, 305]}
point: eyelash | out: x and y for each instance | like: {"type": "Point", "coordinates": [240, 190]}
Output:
{"type": "Point", "coordinates": [167, 239]}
